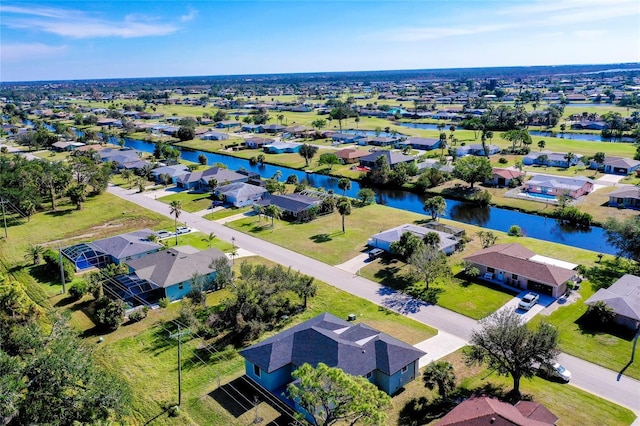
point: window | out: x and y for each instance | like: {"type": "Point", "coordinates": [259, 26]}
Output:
{"type": "Point", "coordinates": [514, 276]}
{"type": "Point", "coordinates": [180, 286]}
{"type": "Point", "coordinates": [369, 374]}
{"type": "Point", "coordinates": [256, 370]}
{"type": "Point", "coordinates": [404, 369]}
{"type": "Point", "coordinates": [492, 270]}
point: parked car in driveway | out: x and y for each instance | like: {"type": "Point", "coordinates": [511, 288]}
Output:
{"type": "Point", "coordinates": [163, 234]}
{"type": "Point", "coordinates": [183, 230]}
{"type": "Point", "coordinates": [528, 301]}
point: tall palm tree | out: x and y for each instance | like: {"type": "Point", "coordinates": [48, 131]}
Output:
{"type": "Point", "coordinates": [541, 144]}
{"type": "Point", "coordinates": [273, 211]}
{"type": "Point", "coordinates": [175, 210]}
{"type": "Point", "coordinates": [440, 374]}
{"type": "Point", "coordinates": [345, 185]}
{"type": "Point", "coordinates": [569, 156]}
{"type": "Point", "coordinates": [344, 208]}
{"type": "Point", "coordinates": [209, 238]}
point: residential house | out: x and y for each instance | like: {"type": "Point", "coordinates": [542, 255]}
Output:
{"type": "Point", "coordinates": [628, 197]}
{"type": "Point", "coordinates": [589, 125]}
{"type": "Point", "coordinates": [119, 155]}
{"type": "Point", "coordinates": [431, 163]}
{"type": "Point", "coordinates": [378, 140]}
{"type": "Point", "coordinates": [345, 137]}
{"type": "Point", "coordinates": [559, 185]}
{"type": "Point", "coordinates": [552, 159]}
{"type": "Point", "coordinates": [394, 158]}
{"type": "Point", "coordinates": [384, 239]}
{"type": "Point", "coordinates": [503, 177]}
{"type": "Point", "coordinates": [200, 180]}
{"type": "Point", "coordinates": [357, 349]}
{"type": "Point", "coordinates": [296, 206]}
{"type": "Point", "coordinates": [254, 143]}
{"type": "Point", "coordinates": [227, 124]}
{"type": "Point", "coordinates": [623, 297]}
{"type": "Point", "coordinates": [484, 410]}
{"type": "Point", "coordinates": [425, 144]}
{"type": "Point", "coordinates": [174, 172]}
{"type": "Point", "coordinates": [169, 272]}
{"type": "Point", "coordinates": [616, 165]}
{"type": "Point", "coordinates": [214, 136]}
{"type": "Point", "coordinates": [252, 128]}
{"type": "Point", "coordinates": [273, 128]}
{"type": "Point", "coordinates": [240, 194]}
{"type": "Point", "coordinates": [517, 266]}
{"type": "Point", "coordinates": [299, 131]}
{"type": "Point", "coordinates": [282, 147]}
{"type": "Point", "coordinates": [66, 146]}
{"type": "Point", "coordinates": [350, 155]}
{"type": "Point", "coordinates": [477, 149]}
{"type": "Point", "coordinates": [118, 249]}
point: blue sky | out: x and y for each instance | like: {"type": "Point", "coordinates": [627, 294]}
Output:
{"type": "Point", "coordinates": [59, 40]}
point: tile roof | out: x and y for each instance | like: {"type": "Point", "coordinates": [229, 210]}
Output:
{"type": "Point", "coordinates": [515, 259]}
{"type": "Point", "coordinates": [507, 173]}
{"type": "Point", "coordinates": [350, 153]}
{"type": "Point", "coordinates": [355, 348]}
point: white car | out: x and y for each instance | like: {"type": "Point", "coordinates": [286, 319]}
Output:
{"type": "Point", "coordinates": [555, 370]}
{"type": "Point", "coordinates": [163, 234]}
{"type": "Point", "coordinates": [183, 230]}
{"type": "Point", "coordinates": [528, 301]}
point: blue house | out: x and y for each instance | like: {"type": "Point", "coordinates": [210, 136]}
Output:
{"type": "Point", "coordinates": [282, 147]}
{"type": "Point", "coordinates": [170, 271]}
{"type": "Point", "coordinates": [616, 165]}
{"type": "Point", "coordinates": [357, 349]}
{"type": "Point", "coordinates": [174, 172]}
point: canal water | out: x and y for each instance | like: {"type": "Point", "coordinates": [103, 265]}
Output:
{"type": "Point", "coordinates": [487, 217]}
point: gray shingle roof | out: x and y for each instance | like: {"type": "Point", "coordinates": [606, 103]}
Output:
{"type": "Point", "coordinates": [394, 234]}
{"type": "Point", "coordinates": [355, 348]}
{"type": "Point", "coordinates": [131, 244]}
{"type": "Point", "coordinates": [169, 267]}
{"type": "Point", "coordinates": [623, 297]}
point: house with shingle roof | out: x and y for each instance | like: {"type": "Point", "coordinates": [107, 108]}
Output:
{"type": "Point", "coordinates": [484, 410]}
{"type": "Point", "coordinates": [350, 155]}
{"type": "Point", "coordinates": [200, 180]}
{"type": "Point", "coordinates": [623, 297]}
{"type": "Point", "coordinates": [394, 158]}
{"type": "Point", "coordinates": [559, 185]}
{"type": "Point", "coordinates": [616, 165]}
{"type": "Point", "coordinates": [425, 144]}
{"type": "Point", "coordinates": [296, 206]}
{"type": "Point", "coordinates": [357, 349]}
{"type": "Point", "coordinates": [174, 172]}
{"type": "Point", "coordinates": [173, 269]}
{"type": "Point", "coordinates": [628, 197]}
{"type": "Point", "coordinates": [255, 142]}
{"type": "Point", "coordinates": [125, 247]}
{"type": "Point", "coordinates": [517, 266]}
{"type": "Point", "coordinates": [240, 194]}
{"type": "Point", "coordinates": [551, 159]}
{"type": "Point", "coordinates": [384, 239]}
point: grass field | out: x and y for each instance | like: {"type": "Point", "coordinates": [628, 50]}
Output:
{"type": "Point", "coordinates": [191, 201]}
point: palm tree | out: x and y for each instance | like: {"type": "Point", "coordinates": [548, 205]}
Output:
{"type": "Point", "coordinates": [277, 175]}
{"type": "Point", "coordinates": [273, 211]}
{"type": "Point", "coordinates": [440, 374]}
{"type": "Point", "coordinates": [569, 156]}
{"type": "Point", "coordinates": [345, 185]}
{"type": "Point", "coordinates": [175, 210]}
{"type": "Point", "coordinates": [34, 254]}
{"type": "Point", "coordinates": [280, 118]}
{"type": "Point", "coordinates": [209, 238]}
{"type": "Point", "coordinates": [541, 144]}
{"type": "Point", "coordinates": [443, 143]}
{"type": "Point", "coordinates": [344, 208]}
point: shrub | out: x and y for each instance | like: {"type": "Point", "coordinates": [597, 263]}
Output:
{"type": "Point", "coordinates": [137, 315]}
{"type": "Point", "coordinates": [164, 302]}
{"type": "Point", "coordinates": [78, 289]}
{"type": "Point", "coordinates": [110, 313]}
{"type": "Point", "coordinates": [52, 265]}
{"type": "Point", "coordinates": [503, 160]}
{"type": "Point", "coordinates": [599, 314]}
{"type": "Point", "coordinates": [482, 198]}
{"type": "Point", "coordinates": [515, 231]}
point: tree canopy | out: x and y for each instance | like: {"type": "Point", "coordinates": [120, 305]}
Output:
{"type": "Point", "coordinates": [624, 235]}
{"type": "Point", "coordinates": [472, 169]}
{"type": "Point", "coordinates": [507, 346]}
{"type": "Point", "coordinates": [330, 396]}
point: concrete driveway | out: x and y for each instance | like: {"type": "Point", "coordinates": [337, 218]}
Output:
{"type": "Point", "coordinates": [439, 346]}
{"type": "Point", "coordinates": [544, 302]}
{"type": "Point", "coordinates": [354, 265]}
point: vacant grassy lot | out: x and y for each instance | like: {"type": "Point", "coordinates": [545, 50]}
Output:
{"type": "Point", "coordinates": [226, 212]}
{"type": "Point", "coordinates": [322, 238]}
{"type": "Point", "coordinates": [191, 201]}
{"type": "Point", "coordinates": [571, 405]}
{"type": "Point", "coordinates": [145, 355]}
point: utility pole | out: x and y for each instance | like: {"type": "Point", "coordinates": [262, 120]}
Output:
{"type": "Point", "coordinates": [64, 287]}
{"type": "Point", "coordinates": [177, 336]}
{"type": "Point", "coordinates": [4, 218]}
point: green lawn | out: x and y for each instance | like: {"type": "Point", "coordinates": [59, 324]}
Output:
{"type": "Point", "coordinates": [322, 238]}
{"type": "Point", "coordinates": [199, 241]}
{"type": "Point", "coordinates": [146, 357]}
{"type": "Point", "coordinates": [226, 212]}
{"type": "Point", "coordinates": [191, 201]}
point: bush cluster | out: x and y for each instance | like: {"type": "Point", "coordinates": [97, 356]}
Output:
{"type": "Point", "coordinates": [52, 265]}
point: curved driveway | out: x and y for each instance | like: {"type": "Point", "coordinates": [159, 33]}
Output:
{"type": "Point", "coordinates": [590, 377]}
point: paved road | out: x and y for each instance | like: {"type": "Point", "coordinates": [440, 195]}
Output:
{"type": "Point", "coordinates": [589, 377]}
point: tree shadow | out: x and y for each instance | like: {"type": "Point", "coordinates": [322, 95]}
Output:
{"type": "Point", "coordinates": [419, 411]}
{"type": "Point", "coordinates": [57, 213]}
{"type": "Point", "coordinates": [610, 329]}
{"type": "Point", "coordinates": [321, 238]}
{"type": "Point", "coordinates": [607, 272]}
{"type": "Point", "coordinates": [402, 303]}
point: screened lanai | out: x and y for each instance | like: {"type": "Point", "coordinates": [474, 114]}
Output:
{"type": "Point", "coordinates": [84, 257]}
{"type": "Point", "coordinates": [135, 291]}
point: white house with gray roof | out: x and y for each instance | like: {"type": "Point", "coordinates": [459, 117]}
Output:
{"type": "Point", "coordinates": [384, 239]}
{"type": "Point", "coordinates": [559, 185]}
{"type": "Point", "coordinates": [241, 194]}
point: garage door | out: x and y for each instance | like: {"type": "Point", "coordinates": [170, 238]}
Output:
{"type": "Point", "coordinates": [540, 288]}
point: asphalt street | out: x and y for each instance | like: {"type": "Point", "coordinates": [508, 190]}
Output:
{"type": "Point", "coordinates": [590, 377]}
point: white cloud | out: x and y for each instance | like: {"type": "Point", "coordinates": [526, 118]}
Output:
{"type": "Point", "coordinates": [589, 34]}
{"type": "Point", "coordinates": [77, 24]}
{"type": "Point", "coordinates": [25, 51]}
{"type": "Point", "coordinates": [188, 17]}
{"type": "Point", "coordinates": [412, 34]}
